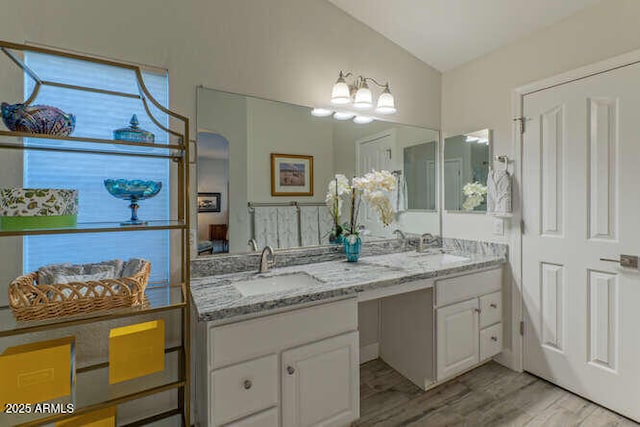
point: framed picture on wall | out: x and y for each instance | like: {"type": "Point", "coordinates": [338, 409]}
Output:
{"type": "Point", "coordinates": [208, 202]}
{"type": "Point", "coordinates": [291, 175]}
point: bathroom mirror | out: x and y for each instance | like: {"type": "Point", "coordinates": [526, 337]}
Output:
{"type": "Point", "coordinates": [241, 197]}
{"type": "Point", "coordinates": [467, 158]}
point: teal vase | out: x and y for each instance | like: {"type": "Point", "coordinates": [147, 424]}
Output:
{"type": "Point", "coordinates": [352, 247]}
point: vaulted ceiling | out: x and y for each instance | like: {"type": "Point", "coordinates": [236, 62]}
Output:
{"type": "Point", "coordinates": [448, 33]}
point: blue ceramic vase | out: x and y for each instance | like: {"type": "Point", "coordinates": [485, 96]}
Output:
{"type": "Point", "coordinates": [352, 247]}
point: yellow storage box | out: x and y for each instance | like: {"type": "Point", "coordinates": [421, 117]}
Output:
{"type": "Point", "coordinates": [102, 418]}
{"type": "Point", "coordinates": [37, 372]}
{"type": "Point", "coordinates": [136, 350]}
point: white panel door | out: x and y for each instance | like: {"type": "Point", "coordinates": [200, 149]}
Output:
{"type": "Point", "coordinates": [457, 337]}
{"type": "Point", "coordinates": [581, 204]}
{"type": "Point", "coordinates": [375, 153]}
{"type": "Point", "coordinates": [321, 383]}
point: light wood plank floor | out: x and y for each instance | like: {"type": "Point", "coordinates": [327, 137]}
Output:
{"type": "Point", "coordinates": [490, 395]}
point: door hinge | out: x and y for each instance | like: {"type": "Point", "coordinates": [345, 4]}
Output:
{"type": "Point", "coordinates": [522, 327]}
{"type": "Point", "coordinates": [523, 121]}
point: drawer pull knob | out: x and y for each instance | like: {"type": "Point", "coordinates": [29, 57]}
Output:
{"type": "Point", "coordinates": [290, 370]}
{"type": "Point", "coordinates": [247, 384]}
{"type": "Point", "coordinates": [494, 338]}
{"type": "Point", "coordinates": [493, 305]}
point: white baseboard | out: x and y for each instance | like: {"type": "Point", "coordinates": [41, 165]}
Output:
{"type": "Point", "coordinates": [369, 352]}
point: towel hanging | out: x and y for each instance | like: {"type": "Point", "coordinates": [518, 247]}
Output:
{"type": "Point", "coordinates": [499, 190]}
{"type": "Point", "coordinates": [398, 196]}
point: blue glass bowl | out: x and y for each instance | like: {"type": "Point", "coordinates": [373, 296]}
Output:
{"type": "Point", "coordinates": [134, 191]}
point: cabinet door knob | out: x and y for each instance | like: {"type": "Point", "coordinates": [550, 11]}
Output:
{"type": "Point", "coordinates": [477, 310]}
{"type": "Point", "coordinates": [290, 370]}
{"type": "Point", "coordinates": [493, 305]}
{"type": "Point", "coordinates": [494, 338]}
{"type": "Point", "coordinates": [247, 384]}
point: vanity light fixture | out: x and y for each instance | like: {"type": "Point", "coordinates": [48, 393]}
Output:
{"type": "Point", "coordinates": [476, 139]}
{"type": "Point", "coordinates": [386, 103]}
{"type": "Point", "coordinates": [359, 95]}
{"type": "Point", "coordinates": [364, 98]}
{"type": "Point", "coordinates": [341, 93]}
{"type": "Point", "coordinates": [340, 115]}
{"type": "Point", "coordinates": [362, 120]}
{"type": "Point", "coordinates": [321, 112]}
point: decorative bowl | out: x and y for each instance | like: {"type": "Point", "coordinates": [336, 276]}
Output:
{"type": "Point", "coordinates": [28, 208]}
{"type": "Point", "coordinates": [40, 119]}
{"type": "Point", "coordinates": [134, 191]}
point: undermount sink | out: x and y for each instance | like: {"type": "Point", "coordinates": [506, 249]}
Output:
{"type": "Point", "coordinates": [419, 259]}
{"type": "Point", "coordinates": [441, 259]}
{"type": "Point", "coordinates": [261, 285]}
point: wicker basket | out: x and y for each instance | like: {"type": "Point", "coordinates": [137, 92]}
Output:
{"type": "Point", "coordinates": [30, 301]}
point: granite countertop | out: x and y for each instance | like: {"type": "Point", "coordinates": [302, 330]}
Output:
{"type": "Point", "coordinates": [216, 298]}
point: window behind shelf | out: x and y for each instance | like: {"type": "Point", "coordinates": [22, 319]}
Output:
{"type": "Point", "coordinates": [97, 115]}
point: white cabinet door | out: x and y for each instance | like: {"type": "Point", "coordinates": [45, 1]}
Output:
{"type": "Point", "coordinates": [320, 385]}
{"type": "Point", "coordinates": [457, 337]}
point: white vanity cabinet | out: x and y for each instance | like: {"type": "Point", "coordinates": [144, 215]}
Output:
{"type": "Point", "coordinates": [294, 368]}
{"type": "Point", "coordinates": [468, 321]}
{"type": "Point", "coordinates": [458, 338]}
{"type": "Point", "coordinates": [320, 383]}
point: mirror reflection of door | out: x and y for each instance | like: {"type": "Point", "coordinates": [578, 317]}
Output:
{"type": "Point", "coordinates": [213, 193]}
{"type": "Point", "coordinates": [420, 175]}
{"type": "Point", "coordinates": [375, 152]}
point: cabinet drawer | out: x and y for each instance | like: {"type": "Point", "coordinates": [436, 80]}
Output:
{"type": "Point", "coordinates": [241, 390]}
{"type": "Point", "coordinates": [270, 334]}
{"type": "Point", "coordinates": [263, 419]}
{"type": "Point", "coordinates": [490, 309]}
{"type": "Point", "coordinates": [490, 341]}
{"type": "Point", "coordinates": [462, 288]}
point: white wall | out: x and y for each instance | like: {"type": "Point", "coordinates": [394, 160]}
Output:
{"type": "Point", "coordinates": [478, 95]}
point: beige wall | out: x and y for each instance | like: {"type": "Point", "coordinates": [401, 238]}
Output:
{"type": "Point", "coordinates": [276, 127]}
{"type": "Point", "coordinates": [477, 95]}
{"type": "Point", "coordinates": [288, 50]}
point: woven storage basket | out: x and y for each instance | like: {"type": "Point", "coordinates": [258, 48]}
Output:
{"type": "Point", "coordinates": [30, 301]}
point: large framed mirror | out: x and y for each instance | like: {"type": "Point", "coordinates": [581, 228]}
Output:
{"type": "Point", "coordinates": [238, 137]}
{"type": "Point", "coordinates": [465, 168]}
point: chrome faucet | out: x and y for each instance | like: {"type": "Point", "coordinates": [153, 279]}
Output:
{"type": "Point", "coordinates": [426, 238]}
{"type": "Point", "coordinates": [400, 234]}
{"type": "Point", "coordinates": [265, 263]}
{"type": "Point", "coordinates": [253, 244]}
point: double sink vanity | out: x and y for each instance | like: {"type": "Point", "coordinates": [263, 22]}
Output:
{"type": "Point", "coordinates": [282, 347]}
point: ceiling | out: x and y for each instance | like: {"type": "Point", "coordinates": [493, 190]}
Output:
{"type": "Point", "coordinates": [448, 33]}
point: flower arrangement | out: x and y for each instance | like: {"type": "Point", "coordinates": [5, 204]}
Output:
{"type": "Point", "coordinates": [373, 188]}
{"type": "Point", "coordinates": [475, 193]}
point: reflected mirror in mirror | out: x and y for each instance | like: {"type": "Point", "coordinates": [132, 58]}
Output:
{"type": "Point", "coordinates": [467, 159]}
{"type": "Point", "coordinates": [420, 174]}
{"type": "Point", "coordinates": [237, 135]}
{"type": "Point", "coordinates": [213, 193]}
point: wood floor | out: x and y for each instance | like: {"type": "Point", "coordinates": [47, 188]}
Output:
{"type": "Point", "coordinates": [491, 395]}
